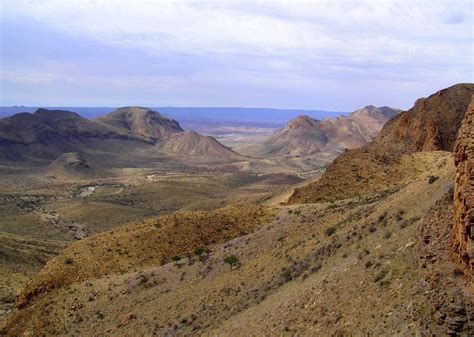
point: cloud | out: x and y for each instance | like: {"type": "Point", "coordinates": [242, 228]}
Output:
{"type": "Point", "coordinates": [241, 46]}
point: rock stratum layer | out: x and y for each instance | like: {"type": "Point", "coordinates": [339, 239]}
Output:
{"type": "Point", "coordinates": [463, 230]}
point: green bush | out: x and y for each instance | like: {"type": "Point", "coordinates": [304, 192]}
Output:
{"type": "Point", "coordinates": [232, 260]}
{"type": "Point", "coordinates": [199, 251]}
{"type": "Point", "coordinates": [176, 259]}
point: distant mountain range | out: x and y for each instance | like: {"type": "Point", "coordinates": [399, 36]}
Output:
{"type": "Point", "coordinates": [265, 117]}
{"type": "Point", "coordinates": [306, 136]}
{"type": "Point", "coordinates": [138, 136]}
{"type": "Point", "coordinates": [126, 135]}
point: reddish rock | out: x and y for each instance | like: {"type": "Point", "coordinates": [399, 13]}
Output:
{"type": "Point", "coordinates": [432, 124]}
{"type": "Point", "coordinates": [463, 230]}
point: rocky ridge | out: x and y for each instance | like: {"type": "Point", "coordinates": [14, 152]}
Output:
{"type": "Point", "coordinates": [431, 125]}
{"type": "Point", "coordinates": [463, 230]}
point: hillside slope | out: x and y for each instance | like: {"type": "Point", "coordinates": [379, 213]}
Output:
{"type": "Point", "coordinates": [193, 144]}
{"type": "Point", "coordinates": [73, 165]}
{"type": "Point", "coordinates": [430, 125]}
{"type": "Point", "coordinates": [295, 273]}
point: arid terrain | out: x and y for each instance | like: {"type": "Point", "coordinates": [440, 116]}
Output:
{"type": "Point", "coordinates": [213, 247]}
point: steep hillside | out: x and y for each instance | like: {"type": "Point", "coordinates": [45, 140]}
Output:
{"type": "Point", "coordinates": [463, 231]}
{"type": "Point", "coordinates": [430, 125]}
{"type": "Point", "coordinates": [305, 136]}
{"type": "Point", "coordinates": [144, 122]}
{"type": "Point", "coordinates": [20, 259]}
{"type": "Point", "coordinates": [152, 242]}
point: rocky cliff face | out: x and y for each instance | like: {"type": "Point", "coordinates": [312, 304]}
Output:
{"type": "Point", "coordinates": [463, 230]}
{"type": "Point", "coordinates": [431, 124]}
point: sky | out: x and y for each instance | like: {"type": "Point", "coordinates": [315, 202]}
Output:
{"type": "Point", "coordinates": [331, 55]}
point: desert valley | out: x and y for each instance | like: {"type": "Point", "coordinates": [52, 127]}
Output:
{"type": "Point", "coordinates": [236, 168]}
{"type": "Point", "coordinates": [127, 224]}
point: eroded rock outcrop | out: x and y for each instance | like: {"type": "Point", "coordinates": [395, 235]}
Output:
{"type": "Point", "coordinates": [463, 230]}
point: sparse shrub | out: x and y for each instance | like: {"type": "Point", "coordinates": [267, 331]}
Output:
{"type": "Point", "coordinates": [330, 231]}
{"type": "Point", "coordinates": [176, 259]}
{"type": "Point", "coordinates": [290, 211]}
{"type": "Point", "coordinates": [380, 276]}
{"type": "Point", "coordinates": [399, 215]}
{"type": "Point", "coordinates": [199, 251]}
{"type": "Point", "coordinates": [68, 260]}
{"type": "Point", "coordinates": [287, 275]}
{"type": "Point", "coordinates": [297, 212]}
{"type": "Point", "coordinates": [432, 179]}
{"type": "Point", "coordinates": [99, 314]}
{"type": "Point", "coordinates": [368, 264]}
{"type": "Point", "coordinates": [382, 216]}
{"type": "Point", "coordinates": [281, 238]}
{"type": "Point", "coordinates": [332, 206]}
{"type": "Point", "coordinates": [387, 235]}
{"type": "Point", "coordinates": [232, 260]}
{"type": "Point", "coordinates": [457, 272]}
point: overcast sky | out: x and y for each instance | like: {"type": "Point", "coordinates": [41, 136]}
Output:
{"type": "Point", "coordinates": [309, 55]}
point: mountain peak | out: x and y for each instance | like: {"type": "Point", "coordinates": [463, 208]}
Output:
{"type": "Point", "coordinates": [145, 122]}
{"type": "Point", "coordinates": [301, 121]}
{"type": "Point", "coordinates": [305, 136]}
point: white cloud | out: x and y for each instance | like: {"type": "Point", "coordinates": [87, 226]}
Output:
{"type": "Point", "coordinates": [292, 44]}
{"type": "Point", "coordinates": [352, 29]}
